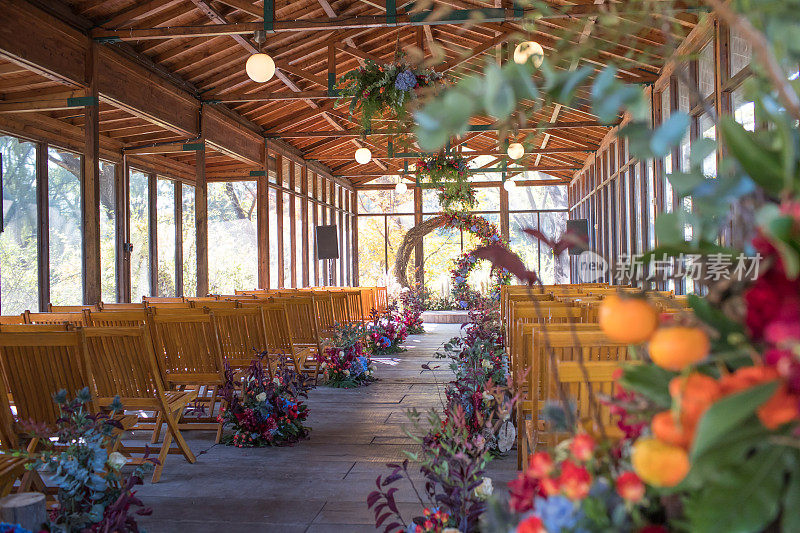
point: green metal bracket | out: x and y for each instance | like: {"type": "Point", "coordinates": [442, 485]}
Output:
{"type": "Point", "coordinates": [390, 148]}
{"type": "Point", "coordinates": [194, 147]}
{"type": "Point", "coordinates": [391, 12]}
{"type": "Point", "coordinates": [256, 173]}
{"type": "Point", "coordinates": [82, 101]}
{"type": "Point", "coordinates": [332, 91]}
{"type": "Point", "coordinates": [518, 10]}
{"type": "Point", "coordinates": [269, 16]}
{"type": "Point", "coordinates": [460, 16]}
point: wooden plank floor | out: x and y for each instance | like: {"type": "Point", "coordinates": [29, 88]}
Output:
{"type": "Point", "coordinates": [318, 485]}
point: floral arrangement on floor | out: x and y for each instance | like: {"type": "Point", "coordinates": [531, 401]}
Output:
{"type": "Point", "coordinates": [347, 364]}
{"type": "Point", "coordinates": [413, 301]}
{"type": "Point", "coordinates": [93, 495]}
{"type": "Point", "coordinates": [264, 411]}
{"type": "Point", "coordinates": [386, 332]}
{"type": "Point", "coordinates": [375, 88]}
{"type": "Point", "coordinates": [449, 174]}
{"type": "Point", "coordinates": [465, 297]}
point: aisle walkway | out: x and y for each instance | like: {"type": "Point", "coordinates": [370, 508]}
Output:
{"type": "Point", "coordinates": [319, 485]}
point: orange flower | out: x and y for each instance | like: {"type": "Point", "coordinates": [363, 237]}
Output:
{"type": "Point", "coordinates": [550, 486]}
{"type": "Point", "coordinates": [540, 464]}
{"type": "Point", "coordinates": [581, 447]}
{"type": "Point", "coordinates": [630, 487]}
{"type": "Point", "coordinates": [779, 409]}
{"type": "Point", "coordinates": [532, 524]}
{"type": "Point", "coordinates": [574, 480]}
{"type": "Point", "coordinates": [746, 377]}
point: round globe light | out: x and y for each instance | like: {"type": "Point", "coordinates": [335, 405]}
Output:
{"type": "Point", "coordinates": [363, 156]}
{"type": "Point", "coordinates": [260, 67]}
{"type": "Point", "coordinates": [515, 150]}
{"type": "Point", "coordinates": [401, 187]}
{"type": "Point", "coordinates": [509, 185]}
{"type": "Point", "coordinates": [529, 50]}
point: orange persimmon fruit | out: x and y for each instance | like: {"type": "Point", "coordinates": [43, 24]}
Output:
{"type": "Point", "coordinates": [675, 348]}
{"type": "Point", "coordinates": [658, 463]}
{"type": "Point", "coordinates": [630, 320]}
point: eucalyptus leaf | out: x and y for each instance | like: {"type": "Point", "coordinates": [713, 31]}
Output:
{"type": "Point", "coordinates": [669, 134]}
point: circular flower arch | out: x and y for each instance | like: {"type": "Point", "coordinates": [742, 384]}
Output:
{"type": "Point", "coordinates": [486, 232]}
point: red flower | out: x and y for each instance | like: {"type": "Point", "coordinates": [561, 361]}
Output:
{"type": "Point", "coordinates": [550, 486]}
{"type": "Point", "coordinates": [532, 524]}
{"type": "Point", "coordinates": [630, 487]}
{"type": "Point", "coordinates": [574, 481]}
{"type": "Point", "coordinates": [581, 447]}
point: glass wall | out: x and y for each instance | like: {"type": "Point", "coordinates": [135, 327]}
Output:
{"type": "Point", "coordinates": [189, 233]}
{"type": "Point", "coordinates": [108, 232]}
{"type": "Point", "coordinates": [273, 239]}
{"type": "Point", "coordinates": [140, 235]}
{"type": "Point", "coordinates": [232, 237]}
{"type": "Point", "coordinates": [165, 230]}
{"type": "Point", "coordinates": [19, 282]}
{"type": "Point", "coordinates": [64, 198]}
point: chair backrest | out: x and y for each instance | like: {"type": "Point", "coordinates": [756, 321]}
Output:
{"type": "Point", "coordinates": [323, 307]}
{"type": "Point", "coordinates": [150, 300]}
{"type": "Point", "coordinates": [241, 334]}
{"type": "Point", "coordinates": [381, 298]}
{"type": "Point", "coordinates": [276, 323]}
{"type": "Point", "coordinates": [215, 305]}
{"type": "Point", "coordinates": [195, 300]}
{"type": "Point", "coordinates": [186, 346]}
{"type": "Point", "coordinates": [69, 308]}
{"type": "Point", "coordinates": [12, 319]}
{"type": "Point", "coordinates": [120, 319]}
{"type": "Point", "coordinates": [341, 309]}
{"type": "Point", "coordinates": [121, 306]}
{"type": "Point", "coordinates": [75, 318]}
{"type": "Point", "coordinates": [121, 362]}
{"type": "Point", "coordinates": [367, 300]}
{"type": "Point", "coordinates": [35, 366]}
{"type": "Point", "coordinates": [33, 328]}
{"type": "Point", "coordinates": [302, 319]}
{"type": "Point", "coordinates": [168, 305]}
{"type": "Point", "coordinates": [354, 305]}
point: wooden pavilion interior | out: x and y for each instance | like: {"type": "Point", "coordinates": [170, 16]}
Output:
{"type": "Point", "coordinates": [141, 163]}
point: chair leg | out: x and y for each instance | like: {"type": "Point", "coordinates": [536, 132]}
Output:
{"type": "Point", "coordinates": [157, 428]}
{"type": "Point", "coordinates": [162, 455]}
{"type": "Point", "coordinates": [219, 428]}
{"type": "Point", "coordinates": [172, 427]}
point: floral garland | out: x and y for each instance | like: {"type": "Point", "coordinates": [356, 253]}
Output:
{"type": "Point", "coordinates": [413, 300]}
{"type": "Point", "coordinates": [376, 88]}
{"type": "Point", "coordinates": [346, 364]}
{"type": "Point", "coordinates": [449, 174]}
{"type": "Point", "coordinates": [263, 411]}
{"type": "Point", "coordinates": [488, 234]}
{"type": "Point", "coordinates": [386, 332]}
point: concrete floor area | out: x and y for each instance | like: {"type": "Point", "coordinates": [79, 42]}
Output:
{"type": "Point", "coordinates": [321, 484]}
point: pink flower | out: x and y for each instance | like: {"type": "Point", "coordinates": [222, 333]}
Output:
{"type": "Point", "coordinates": [582, 447]}
{"type": "Point", "coordinates": [630, 487]}
{"type": "Point", "coordinates": [574, 481]}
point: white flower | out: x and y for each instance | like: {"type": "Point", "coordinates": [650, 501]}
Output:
{"type": "Point", "coordinates": [487, 396]}
{"type": "Point", "coordinates": [451, 530]}
{"type": "Point", "coordinates": [276, 380]}
{"type": "Point", "coordinates": [485, 489]}
{"type": "Point", "coordinates": [261, 396]}
{"type": "Point", "coordinates": [346, 372]}
{"type": "Point", "coordinates": [323, 366]}
{"type": "Point", "coordinates": [341, 353]}
{"type": "Point", "coordinates": [116, 460]}
{"type": "Point", "coordinates": [486, 363]}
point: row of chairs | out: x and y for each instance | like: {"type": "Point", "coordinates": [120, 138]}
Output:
{"type": "Point", "coordinates": [184, 346]}
{"type": "Point", "coordinates": [554, 343]}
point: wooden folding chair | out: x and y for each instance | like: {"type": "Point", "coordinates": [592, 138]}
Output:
{"type": "Point", "coordinates": [241, 335]}
{"type": "Point", "coordinates": [69, 308]}
{"type": "Point", "coordinates": [354, 305]}
{"type": "Point", "coordinates": [12, 319]}
{"type": "Point", "coordinates": [279, 336]}
{"type": "Point", "coordinates": [121, 306]}
{"type": "Point", "coordinates": [340, 305]}
{"type": "Point", "coordinates": [11, 469]}
{"type": "Point", "coordinates": [216, 305]}
{"type": "Point", "coordinates": [150, 300]}
{"type": "Point", "coordinates": [189, 356]}
{"type": "Point", "coordinates": [129, 318]}
{"type": "Point", "coordinates": [323, 307]}
{"type": "Point", "coordinates": [121, 363]}
{"type": "Point", "coordinates": [75, 318]}
{"type": "Point", "coordinates": [304, 330]}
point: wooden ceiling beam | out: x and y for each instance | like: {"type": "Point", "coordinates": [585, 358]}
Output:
{"type": "Point", "coordinates": [359, 132]}
{"type": "Point", "coordinates": [268, 96]}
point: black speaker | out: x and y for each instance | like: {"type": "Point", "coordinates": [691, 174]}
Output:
{"type": "Point", "coordinates": [327, 242]}
{"type": "Point", "coordinates": [580, 229]}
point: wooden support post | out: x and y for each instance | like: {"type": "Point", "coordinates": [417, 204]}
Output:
{"type": "Point", "coordinates": [315, 216]}
{"type": "Point", "coordinates": [43, 225]}
{"type": "Point", "coordinates": [279, 211]}
{"type": "Point", "coordinates": [504, 223]}
{"type": "Point", "coordinates": [419, 249]}
{"type": "Point", "coordinates": [90, 185]}
{"type": "Point", "coordinates": [152, 229]}
{"type": "Point", "coordinates": [325, 277]}
{"type": "Point", "coordinates": [201, 221]}
{"type": "Point", "coordinates": [262, 219]}
{"type": "Point", "coordinates": [292, 225]}
{"type": "Point", "coordinates": [355, 281]}
{"type": "Point", "coordinates": [304, 223]}
{"type": "Point", "coordinates": [178, 238]}
{"type": "Point", "coordinates": [121, 231]}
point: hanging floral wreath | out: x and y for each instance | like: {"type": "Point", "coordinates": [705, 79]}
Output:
{"type": "Point", "coordinates": [449, 174]}
{"type": "Point", "coordinates": [488, 233]}
{"type": "Point", "coordinates": [376, 88]}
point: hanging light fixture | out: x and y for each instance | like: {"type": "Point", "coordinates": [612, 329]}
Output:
{"type": "Point", "coordinates": [515, 151]}
{"type": "Point", "coordinates": [260, 67]}
{"type": "Point", "coordinates": [509, 185]}
{"type": "Point", "coordinates": [527, 50]}
{"type": "Point", "coordinates": [363, 156]}
{"type": "Point", "coordinates": [401, 187]}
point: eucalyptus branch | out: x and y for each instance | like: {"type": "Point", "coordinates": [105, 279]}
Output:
{"type": "Point", "coordinates": [762, 50]}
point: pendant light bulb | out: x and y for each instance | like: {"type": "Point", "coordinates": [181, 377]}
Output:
{"type": "Point", "coordinates": [515, 151]}
{"type": "Point", "coordinates": [509, 185]}
{"type": "Point", "coordinates": [529, 50]}
{"type": "Point", "coordinates": [260, 67]}
{"type": "Point", "coordinates": [363, 156]}
{"type": "Point", "coordinates": [401, 187]}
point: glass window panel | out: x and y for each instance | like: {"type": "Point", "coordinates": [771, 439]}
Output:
{"type": "Point", "coordinates": [522, 244]}
{"type": "Point", "coordinates": [287, 242]}
{"type": "Point", "coordinates": [430, 201]}
{"type": "Point", "coordinates": [488, 198]}
{"type": "Point", "coordinates": [538, 197]}
{"type": "Point", "coordinates": [273, 239]}
{"type": "Point", "coordinates": [285, 174]}
{"type": "Point", "coordinates": [709, 131]}
{"type": "Point", "coordinates": [64, 196]}
{"type": "Point", "coordinates": [441, 248]}
{"type": "Point", "coordinates": [108, 232]}
{"type": "Point", "coordinates": [741, 51]}
{"type": "Point", "coordinates": [189, 232]}
{"type": "Point", "coordinates": [140, 256]}
{"type": "Point", "coordinates": [398, 227]}
{"type": "Point", "coordinates": [705, 69]}
{"type": "Point", "coordinates": [232, 236]}
{"type": "Point", "coordinates": [553, 269]}
{"type": "Point", "coordinates": [165, 207]}
{"type": "Point", "coordinates": [371, 250]}
{"type": "Point", "coordinates": [299, 236]}
{"type": "Point", "coordinates": [19, 290]}
{"type": "Point", "coordinates": [744, 109]}
{"type": "Point", "coordinates": [311, 241]}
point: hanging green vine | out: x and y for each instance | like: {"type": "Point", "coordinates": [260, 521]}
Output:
{"type": "Point", "coordinates": [449, 174]}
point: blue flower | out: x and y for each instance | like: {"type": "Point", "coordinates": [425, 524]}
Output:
{"type": "Point", "coordinates": [385, 342]}
{"type": "Point", "coordinates": [495, 238]}
{"type": "Point", "coordinates": [459, 279]}
{"type": "Point", "coordinates": [463, 304]}
{"type": "Point", "coordinates": [557, 513]}
{"type": "Point", "coordinates": [405, 81]}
